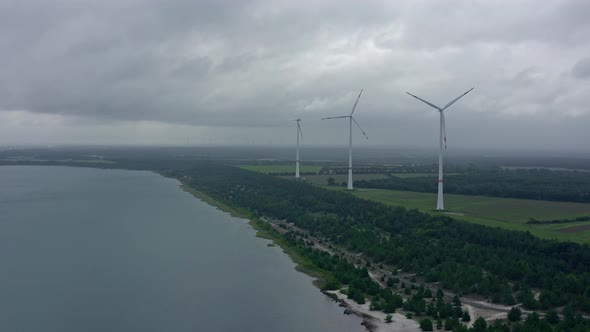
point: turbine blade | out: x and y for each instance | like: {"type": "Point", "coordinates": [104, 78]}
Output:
{"type": "Point", "coordinates": [299, 129]}
{"type": "Point", "coordinates": [337, 117]}
{"type": "Point", "coordinates": [357, 124]}
{"type": "Point", "coordinates": [454, 100]}
{"type": "Point", "coordinates": [444, 128]}
{"type": "Point", "coordinates": [424, 101]}
{"type": "Point", "coordinates": [356, 102]}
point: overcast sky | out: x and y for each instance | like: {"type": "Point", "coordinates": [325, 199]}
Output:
{"type": "Point", "coordinates": [178, 71]}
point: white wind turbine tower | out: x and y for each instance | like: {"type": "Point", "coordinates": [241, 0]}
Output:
{"type": "Point", "coordinates": [299, 133]}
{"type": "Point", "coordinates": [443, 137]}
{"type": "Point", "coordinates": [350, 120]}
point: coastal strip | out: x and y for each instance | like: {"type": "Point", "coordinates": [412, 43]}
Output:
{"type": "Point", "coordinates": [373, 321]}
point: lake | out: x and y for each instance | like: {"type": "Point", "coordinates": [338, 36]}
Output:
{"type": "Point", "coordinates": [114, 250]}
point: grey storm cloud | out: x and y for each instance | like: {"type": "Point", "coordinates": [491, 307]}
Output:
{"type": "Point", "coordinates": [582, 68]}
{"type": "Point", "coordinates": [259, 63]}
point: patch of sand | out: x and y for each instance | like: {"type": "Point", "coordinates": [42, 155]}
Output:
{"type": "Point", "coordinates": [376, 319]}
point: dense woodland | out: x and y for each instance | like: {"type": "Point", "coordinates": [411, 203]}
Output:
{"type": "Point", "coordinates": [536, 184]}
{"type": "Point", "coordinates": [505, 266]}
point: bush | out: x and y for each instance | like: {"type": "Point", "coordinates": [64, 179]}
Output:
{"type": "Point", "coordinates": [552, 317]}
{"type": "Point", "coordinates": [514, 314]}
{"type": "Point", "coordinates": [466, 316]}
{"type": "Point", "coordinates": [426, 324]}
{"type": "Point", "coordinates": [480, 325]}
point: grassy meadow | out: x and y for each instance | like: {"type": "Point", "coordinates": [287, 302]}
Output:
{"type": "Point", "coordinates": [508, 213]}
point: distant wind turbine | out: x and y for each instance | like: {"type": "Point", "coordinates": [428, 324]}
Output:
{"type": "Point", "coordinates": [350, 120]}
{"type": "Point", "coordinates": [443, 137]}
{"type": "Point", "coordinates": [299, 133]}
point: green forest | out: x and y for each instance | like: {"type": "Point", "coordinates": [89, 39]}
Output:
{"type": "Point", "coordinates": [504, 266]}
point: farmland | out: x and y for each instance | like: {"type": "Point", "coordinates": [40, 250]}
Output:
{"type": "Point", "coordinates": [508, 213]}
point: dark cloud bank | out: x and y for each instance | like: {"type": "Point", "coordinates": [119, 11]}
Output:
{"type": "Point", "coordinates": [106, 70]}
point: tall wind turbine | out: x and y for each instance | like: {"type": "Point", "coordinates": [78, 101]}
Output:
{"type": "Point", "coordinates": [350, 120]}
{"type": "Point", "coordinates": [443, 137]}
{"type": "Point", "coordinates": [299, 133]}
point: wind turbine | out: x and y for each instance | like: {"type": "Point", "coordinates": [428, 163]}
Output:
{"type": "Point", "coordinates": [299, 133]}
{"type": "Point", "coordinates": [350, 120]}
{"type": "Point", "coordinates": [443, 137]}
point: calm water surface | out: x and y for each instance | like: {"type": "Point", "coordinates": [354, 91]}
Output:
{"type": "Point", "coordinates": [113, 250]}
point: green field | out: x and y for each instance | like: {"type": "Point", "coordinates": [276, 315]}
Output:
{"type": "Point", "coordinates": [280, 168]}
{"type": "Point", "coordinates": [506, 213]}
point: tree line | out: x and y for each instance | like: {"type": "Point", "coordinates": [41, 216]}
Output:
{"type": "Point", "coordinates": [538, 184]}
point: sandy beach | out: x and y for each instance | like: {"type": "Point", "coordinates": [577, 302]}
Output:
{"type": "Point", "coordinates": [375, 320]}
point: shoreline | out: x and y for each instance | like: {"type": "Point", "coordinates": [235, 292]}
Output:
{"type": "Point", "coordinates": [262, 232]}
{"type": "Point", "coordinates": [234, 212]}
{"type": "Point", "coordinates": [372, 321]}
{"type": "Point", "coordinates": [261, 226]}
